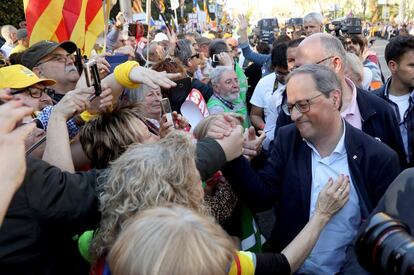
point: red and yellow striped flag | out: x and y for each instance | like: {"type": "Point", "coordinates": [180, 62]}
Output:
{"type": "Point", "coordinates": [137, 7]}
{"type": "Point", "coordinates": [80, 21]}
{"type": "Point", "coordinates": [161, 6]}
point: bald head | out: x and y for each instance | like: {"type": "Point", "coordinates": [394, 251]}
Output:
{"type": "Point", "coordinates": [9, 33]}
{"type": "Point", "coordinates": [321, 48]}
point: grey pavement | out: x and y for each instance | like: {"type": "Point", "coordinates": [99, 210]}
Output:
{"type": "Point", "coordinates": [379, 48]}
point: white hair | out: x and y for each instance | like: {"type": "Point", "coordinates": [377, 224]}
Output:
{"type": "Point", "coordinates": [313, 17]}
{"type": "Point", "coordinates": [355, 68]}
{"type": "Point", "coordinates": [217, 72]}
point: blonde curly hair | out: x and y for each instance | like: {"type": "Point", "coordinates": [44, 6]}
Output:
{"type": "Point", "coordinates": [172, 240]}
{"type": "Point", "coordinates": [148, 175]}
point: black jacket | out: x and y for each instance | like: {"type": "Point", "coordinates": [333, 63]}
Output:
{"type": "Point", "coordinates": [178, 95]}
{"type": "Point", "coordinates": [383, 93]}
{"type": "Point", "coordinates": [48, 209]}
{"type": "Point", "coordinates": [378, 121]}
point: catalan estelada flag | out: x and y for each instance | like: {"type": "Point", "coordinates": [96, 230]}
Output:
{"type": "Point", "coordinates": [80, 21]}
{"type": "Point", "coordinates": [161, 5]}
{"type": "Point", "coordinates": [137, 7]}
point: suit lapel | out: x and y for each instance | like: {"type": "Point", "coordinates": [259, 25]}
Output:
{"type": "Point", "coordinates": [305, 174]}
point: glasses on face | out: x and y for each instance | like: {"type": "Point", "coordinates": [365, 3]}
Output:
{"type": "Point", "coordinates": [61, 58]}
{"type": "Point", "coordinates": [34, 92]}
{"type": "Point", "coordinates": [302, 106]}
{"type": "Point", "coordinates": [323, 60]}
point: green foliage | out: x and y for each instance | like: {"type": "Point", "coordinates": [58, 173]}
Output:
{"type": "Point", "coordinates": [11, 12]}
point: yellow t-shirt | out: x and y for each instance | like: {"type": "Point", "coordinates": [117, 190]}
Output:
{"type": "Point", "coordinates": [18, 49]}
{"type": "Point", "coordinates": [243, 264]}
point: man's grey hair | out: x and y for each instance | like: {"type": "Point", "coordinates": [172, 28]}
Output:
{"type": "Point", "coordinates": [325, 79]}
{"type": "Point", "coordinates": [313, 17]}
{"type": "Point", "coordinates": [332, 46]}
{"type": "Point", "coordinates": [217, 72]}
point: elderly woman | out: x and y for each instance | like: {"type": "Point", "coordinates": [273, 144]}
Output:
{"type": "Point", "coordinates": [148, 175]}
{"type": "Point", "coordinates": [227, 96]}
{"type": "Point", "coordinates": [150, 98]}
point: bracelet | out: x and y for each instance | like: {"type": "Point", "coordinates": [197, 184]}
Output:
{"type": "Point", "coordinates": [122, 72]}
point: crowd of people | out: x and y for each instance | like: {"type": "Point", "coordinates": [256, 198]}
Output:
{"type": "Point", "coordinates": [107, 183]}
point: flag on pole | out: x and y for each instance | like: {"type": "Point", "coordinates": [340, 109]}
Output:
{"type": "Point", "coordinates": [137, 7]}
{"type": "Point", "coordinates": [59, 20]}
{"type": "Point", "coordinates": [205, 8]}
{"type": "Point", "coordinates": [161, 6]}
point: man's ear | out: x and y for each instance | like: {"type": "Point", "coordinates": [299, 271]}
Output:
{"type": "Point", "coordinates": [336, 99]}
{"type": "Point", "coordinates": [393, 66]}
{"type": "Point", "coordinates": [338, 64]}
{"type": "Point", "coordinates": [37, 71]}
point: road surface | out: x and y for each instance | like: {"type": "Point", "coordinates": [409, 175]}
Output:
{"type": "Point", "coordinates": [379, 48]}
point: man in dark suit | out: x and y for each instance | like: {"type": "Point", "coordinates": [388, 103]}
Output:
{"type": "Point", "coordinates": [359, 108]}
{"type": "Point", "coordinates": [320, 146]}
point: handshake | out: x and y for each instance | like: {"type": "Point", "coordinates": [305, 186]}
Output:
{"type": "Point", "coordinates": [226, 129]}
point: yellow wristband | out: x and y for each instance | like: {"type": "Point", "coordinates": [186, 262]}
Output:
{"type": "Point", "coordinates": [86, 116]}
{"type": "Point", "coordinates": [122, 72]}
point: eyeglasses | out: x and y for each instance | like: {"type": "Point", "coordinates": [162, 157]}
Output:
{"type": "Point", "coordinates": [61, 58]}
{"type": "Point", "coordinates": [34, 92]}
{"type": "Point", "coordinates": [302, 106]}
{"type": "Point", "coordinates": [323, 60]}
{"type": "Point", "coordinates": [317, 63]}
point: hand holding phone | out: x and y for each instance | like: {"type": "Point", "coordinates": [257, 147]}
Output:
{"type": "Point", "coordinates": [92, 76]}
{"type": "Point", "coordinates": [166, 109]}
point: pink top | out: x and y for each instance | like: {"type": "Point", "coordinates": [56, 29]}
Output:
{"type": "Point", "coordinates": [352, 114]}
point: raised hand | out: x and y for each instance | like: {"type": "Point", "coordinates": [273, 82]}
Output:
{"type": "Point", "coordinates": [252, 144]}
{"type": "Point", "coordinates": [153, 78]}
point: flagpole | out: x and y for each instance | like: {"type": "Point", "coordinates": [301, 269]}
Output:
{"type": "Point", "coordinates": [176, 20]}
{"type": "Point", "coordinates": [106, 9]}
{"type": "Point", "coordinates": [148, 11]}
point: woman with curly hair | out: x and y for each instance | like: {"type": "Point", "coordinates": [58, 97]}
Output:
{"type": "Point", "coordinates": [147, 175]}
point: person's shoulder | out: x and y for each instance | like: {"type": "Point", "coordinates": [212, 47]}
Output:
{"type": "Point", "coordinates": [289, 131]}
{"type": "Point", "coordinates": [371, 145]}
{"type": "Point", "coordinates": [374, 101]}
{"type": "Point", "coordinates": [379, 92]}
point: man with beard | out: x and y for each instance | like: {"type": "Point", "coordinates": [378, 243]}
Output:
{"type": "Point", "coordinates": [227, 96]}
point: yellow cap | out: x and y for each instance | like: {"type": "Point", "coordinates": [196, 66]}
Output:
{"type": "Point", "coordinates": [226, 35]}
{"type": "Point", "coordinates": [18, 77]}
